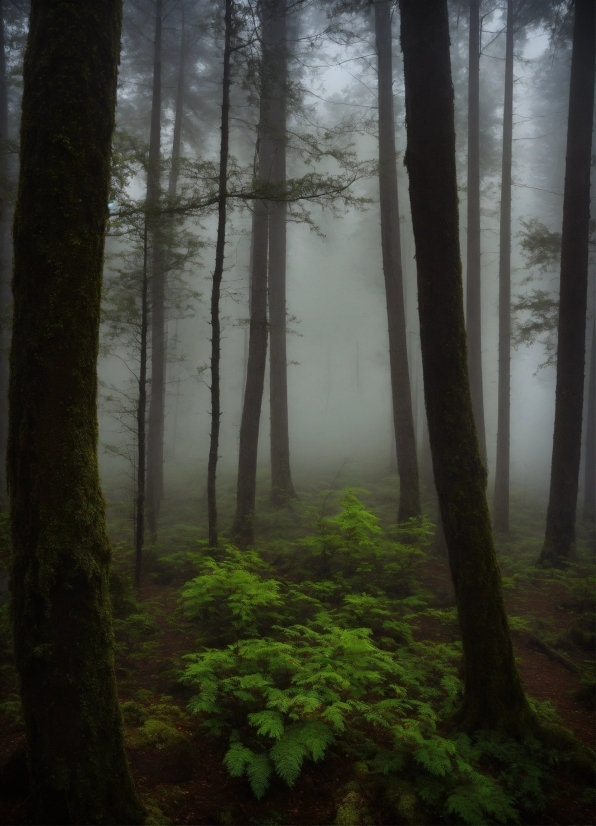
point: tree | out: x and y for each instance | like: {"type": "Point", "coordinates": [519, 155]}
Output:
{"type": "Point", "coordinates": [403, 420]}
{"type": "Point", "coordinates": [519, 14]}
{"type": "Point", "coordinates": [5, 259]}
{"type": "Point", "coordinates": [282, 488]}
{"type": "Point", "coordinates": [473, 268]}
{"type": "Point", "coordinates": [243, 527]}
{"type": "Point", "coordinates": [142, 417]}
{"type": "Point", "coordinates": [501, 501]}
{"type": "Point", "coordinates": [158, 329]}
{"type": "Point", "coordinates": [562, 504]}
{"type": "Point", "coordinates": [493, 695]}
{"type": "Point", "coordinates": [61, 608]}
{"type": "Point", "coordinates": [590, 475]}
{"type": "Point", "coordinates": [217, 279]}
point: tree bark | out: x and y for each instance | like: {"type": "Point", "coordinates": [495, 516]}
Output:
{"type": "Point", "coordinates": [61, 554]}
{"type": "Point", "coordinates": [562, 505]}
{"type": "Point", "coordinates": [156, 417]}
{"type": "Point", "coordinates": [590, 472]}
{"type": "Point", "coordinates": [141, 417]}
{"type": "Point", "coordinates": [473, 268]}
{"type": "Point", "coordinates": [5, 263]}
{"type": "Point", "coordinates": [177, 137]}
{"type": "Point", "coordinates": [493, 695]}
{"type": "Point", "coordinates": [282, 488]}
{"type": "Point", "coordinates": [403, 420]}
{"type": "Point", "coordinates": [173, 184]}
{"type": "Point", "coordinates": [220, 247]}
{"type": "Point", "coordinates": [243, 527]}
{"type": "Point", "coordinates": [501, 499]}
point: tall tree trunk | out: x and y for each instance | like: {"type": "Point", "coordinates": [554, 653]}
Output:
{"type": "Point", "coordinates": [501, 500]}
{"type": "Point", "coordinates": [403, 420]}
{"type": "Point", "coordinates": [220, 247]}
{"type": "Point", "coordinates": [243, 527]}
{"type": "Point", "coordinates": [177, 137]}
{"type": "Point", "coordinates": [473, 269]}
{"type": "Point", "coordinates": [282, 488]}
{"type": "Point", "coordinates": [493, 695]}
{"type": "Point", "coordinates": [158, 329]}
{"type": "Point", "coordinates": [5, 263]}
{"type": "Point", "coordinates": [590, 477]}
{"type": "Point", "coordinates": [61, 554]}
{"type": "Point", "coordinates": [564, 479]}
{"type": "Point", "coordinates": [141, 418]}
{"type": "Point", "coordinates": [173, 185]}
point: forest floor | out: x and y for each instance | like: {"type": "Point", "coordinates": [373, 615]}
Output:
{"type": "Point", "coordinates": [179, 768]}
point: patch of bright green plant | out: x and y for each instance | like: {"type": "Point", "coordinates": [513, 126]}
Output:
{"type": "Point", "coordinates": [324, 658]}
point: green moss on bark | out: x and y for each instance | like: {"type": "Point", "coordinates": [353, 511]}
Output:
{"type": "Point", "coordinates": [61, 612]}
{"type": "Point", "coordinates": [493, 694]}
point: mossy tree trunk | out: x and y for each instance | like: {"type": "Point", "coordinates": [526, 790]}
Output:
{"type": "Point", "coordinates": [493, 695]}
{"type": "Point", "coordinates": [61, 607]}
{"type": "Point", "coordinates": [156, 417]}
{"type": "Point", "coordinates": [142, 415]}
{"type": "Point", "coordinates": [5, 262]}
{"type": "Point", "coordinates": [473, 268]}
{"type": "Point", "coordinates": [220, 247]}
{"type": "Point", "coordinates": [564, 479]}
{"type": "Point", "coordinates": [243, 527]}
{"type": "Point", "coordinates": [590, 472]}
{"type": "Point", "coordinates": [282, 487]}
{"type": "Point", "coordinates": [403, 419]}
{"type": "Point", "coordinates": [501, 501]}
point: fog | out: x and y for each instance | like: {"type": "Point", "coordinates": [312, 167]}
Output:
{"type": "Point", "coordinates": [339, 393]}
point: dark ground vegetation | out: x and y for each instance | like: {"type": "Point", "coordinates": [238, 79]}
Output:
{"type": "Point", "coordinates": [312, 679]}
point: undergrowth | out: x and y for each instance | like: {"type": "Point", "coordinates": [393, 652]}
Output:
{"type": "Point", "coordinates": [315, 652]}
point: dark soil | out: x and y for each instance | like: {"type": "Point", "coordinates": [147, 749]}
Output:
{"type": "Point", "coordinates": [208, 795]}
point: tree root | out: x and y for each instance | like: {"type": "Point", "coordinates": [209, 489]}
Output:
{"type": "Point", "coordinates": [552, 654]}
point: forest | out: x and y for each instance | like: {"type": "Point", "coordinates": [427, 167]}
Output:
{"type": "Point", "coordinates": [297, 412]}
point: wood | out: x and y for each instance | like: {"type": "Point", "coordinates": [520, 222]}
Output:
{"type": "Point", "coordinates": [403, 419]}
{"type": "Point", "coordinates": [559, 537]}
{"type": "Point", "coordinates": [220, 246]}
{"type": "Point", "coordinates": [501, 500]}
{"type": "Point", "coordinates": [493, 695]}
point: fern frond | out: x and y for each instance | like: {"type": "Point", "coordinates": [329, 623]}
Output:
{"type": "Point", "coordinates": [288, 755]}
{"type": "Point", "coordinates": [269, 723]}
{"type": "Point", "coordinates": [259, 771]}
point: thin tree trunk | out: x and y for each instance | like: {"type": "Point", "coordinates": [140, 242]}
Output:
{"type": "Point", "coordinates": [473, 270]}
{"type": "Point", "coordinates": [590, 477]}
{"type": "Point", "coordinates": [5, 263]}
{"type": "Point", "coordinates": [217, 279]}
{"type": "Point", "coordinates": [141, 419]}
{"type": "Point", "coordinates": [243, 528]}
{"type": "Point", "coordinates": [501, 500]}
{"type": "Point", "coordinates": [564, 479]}
{"type": "Point", "coordinates": [158, 337]}
{"type": "Point", "coordinates": [63, 636]}
{"type": "Point", "coordinates": [177, 137]}
{"type": "Point", "coordinates": [493, 695]}
{"type": "Point", "coordinates": [403, 420]}
{"type": "Point", "coordinates": [173, 187]}
{"type": "Point", "coordinates": [282, 488]}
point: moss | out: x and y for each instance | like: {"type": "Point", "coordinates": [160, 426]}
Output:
{"type": "Point", "coordinates": [352, 809]}
{"type": "Point", "coordinates": [133, 714]}
{"type": "Point", "coordinates": [403, 802]}
{"type": "Point", "coordinates": [493, 694]}
{"type": "Point", "coordinates": [61, 554]}
{"type": "Point", "coordinates": [177, 752]}
{"type": "Point", "coordinates": [578, 756]}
